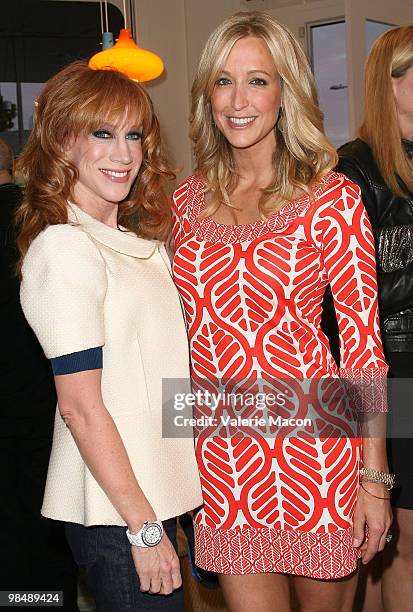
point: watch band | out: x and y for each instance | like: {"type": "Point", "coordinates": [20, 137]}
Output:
{"type": "Point", "coordinates": [377, 477]}
{"type": "Point", "coordinates": [149, 535]}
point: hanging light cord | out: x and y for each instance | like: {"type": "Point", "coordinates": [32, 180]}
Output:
{"type": "Point", "coordinates": [105, 28]}
{"type": "Point", "coordinates": [106, 15]}
{"type": "Point", "coordinates": [101, 15]}
{"type": "Point", "coordinates": [124, 13]}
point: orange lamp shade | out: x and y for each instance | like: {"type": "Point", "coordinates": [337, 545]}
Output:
{"type": "Point", "coordinates": [127, 57]}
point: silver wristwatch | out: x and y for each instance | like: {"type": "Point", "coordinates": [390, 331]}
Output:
{"type": "Point", "coordinates": [149, 535]}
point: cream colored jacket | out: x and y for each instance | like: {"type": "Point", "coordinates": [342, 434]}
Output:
{"type": "Point", "coordinates": [87, 285]}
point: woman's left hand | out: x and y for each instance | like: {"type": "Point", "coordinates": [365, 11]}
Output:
{"type": "Point", "coordinates": [372, 520]}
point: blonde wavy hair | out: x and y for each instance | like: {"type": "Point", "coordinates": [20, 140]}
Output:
{"type": "Point", "coordinates": [390, 57]}
{"type": "Point", "coordinates": [79, 100]}
{"type": "Point", "coordinates": [303, 154]}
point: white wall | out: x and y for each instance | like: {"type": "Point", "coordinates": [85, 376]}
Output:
{"type": "Point", "coordinates": [296, 17]}
{"type": "Point", "coordinates": [161, 28]}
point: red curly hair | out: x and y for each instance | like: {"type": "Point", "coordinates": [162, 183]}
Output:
{"type": "Point", "coordinates": [79, 100]}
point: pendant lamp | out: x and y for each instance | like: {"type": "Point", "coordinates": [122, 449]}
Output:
{"type": "Point", "coordinates": [125, 56]}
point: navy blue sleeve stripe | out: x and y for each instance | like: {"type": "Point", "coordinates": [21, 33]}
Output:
{"type": "Point", "coordinates": [89, 359]}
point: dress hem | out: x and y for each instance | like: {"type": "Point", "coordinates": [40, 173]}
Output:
{"type": "Point", "coordinates": [326, 556]}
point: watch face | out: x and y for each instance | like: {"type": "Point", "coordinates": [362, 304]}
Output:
{"type": "Point", "coordinates": [151, 534]}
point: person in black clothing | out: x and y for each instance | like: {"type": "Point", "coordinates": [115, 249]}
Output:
{"type": "Point", "coordinates": [35, 555]}
{"type": "Point", "coordinates": [380, 161]}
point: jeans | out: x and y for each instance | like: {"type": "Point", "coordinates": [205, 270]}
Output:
{"type": "Point", "coordinates": [105, 555]}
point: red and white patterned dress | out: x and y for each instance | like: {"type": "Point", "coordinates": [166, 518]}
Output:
{"type": "Point", "coordinates": [253, 300]}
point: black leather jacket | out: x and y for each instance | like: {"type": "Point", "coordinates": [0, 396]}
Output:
{"type": "Point", "coordinates": [391, 217]}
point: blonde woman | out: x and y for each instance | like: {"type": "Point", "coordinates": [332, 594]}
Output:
{"type": "Point", "coordinates": [97, 290]}
{"type": "Point", "coordinates": [261, 228]}
{"type": "Point", "coordinates": [380, 161]}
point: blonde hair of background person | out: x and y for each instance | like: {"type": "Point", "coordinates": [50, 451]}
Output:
{"type": "Point", "coordinates": [303, 154]}
{"type": "Point", "coordinates": [390, 57]}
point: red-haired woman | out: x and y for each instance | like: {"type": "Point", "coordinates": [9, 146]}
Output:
{"type": "Point", "coordinates": [97, 290]}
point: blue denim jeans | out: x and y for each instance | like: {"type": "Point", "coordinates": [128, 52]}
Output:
{"type": "Point", "coordinates": [105, 555]}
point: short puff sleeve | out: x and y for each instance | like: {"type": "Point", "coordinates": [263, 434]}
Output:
{"type": "Point", "coordinates": [63, 290]}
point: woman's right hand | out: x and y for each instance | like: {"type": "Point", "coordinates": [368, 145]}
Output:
{"type": "Point", "coordinates": [158, 567]}
{"type": "Point", "coordinates": [82, 408]}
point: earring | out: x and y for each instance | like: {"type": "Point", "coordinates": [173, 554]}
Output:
{"type": "Point", "coordinates": [278, 124]}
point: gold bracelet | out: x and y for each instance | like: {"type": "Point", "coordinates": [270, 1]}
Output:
{"type": "Point", "coordinates": [372, 494]}
{"type": "Point", "coordinates": [377, 477]}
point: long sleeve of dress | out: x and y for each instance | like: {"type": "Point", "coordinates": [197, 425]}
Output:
{"type": "Point", "coordinates": [341, 230]}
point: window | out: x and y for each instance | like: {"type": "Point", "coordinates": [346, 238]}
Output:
{"type": "Point", "coordinates": [329, 61]}
{"type": "Point", "coordinates": [373, 31]}
{"type": "Point", "coordinates": [37, 38]}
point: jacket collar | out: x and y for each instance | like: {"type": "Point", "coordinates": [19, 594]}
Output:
{"type": "Point", "coordinates": [120, 240]}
